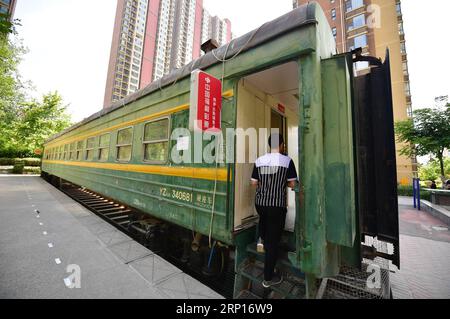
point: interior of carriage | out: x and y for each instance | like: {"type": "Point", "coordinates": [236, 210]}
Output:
{"type": "Point", "coordinates": [267, 99]}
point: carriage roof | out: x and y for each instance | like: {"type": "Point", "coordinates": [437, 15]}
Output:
{"type": "Point", "coordinates": [297, 18]}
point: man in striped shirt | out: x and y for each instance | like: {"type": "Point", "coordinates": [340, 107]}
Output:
{"type": "Point", "coordinates": [272, 174]}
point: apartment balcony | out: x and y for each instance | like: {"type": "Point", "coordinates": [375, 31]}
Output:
{"type": "Point", "coordinates": [354, 12]}
{"type": "Point", "coordinates": [408, 98]}
{"type": "Point", "coordinates": [357, 31]}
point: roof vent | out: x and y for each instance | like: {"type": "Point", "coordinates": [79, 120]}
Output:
{"type": "Point", "coordinates": [209, 45]}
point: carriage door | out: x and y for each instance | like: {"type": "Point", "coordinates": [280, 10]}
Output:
{"type": "Point", "coordinates": [281, 122]}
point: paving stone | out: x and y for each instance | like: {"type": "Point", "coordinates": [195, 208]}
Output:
{"type": "Point", "coordinates": [78, 237]}
{"type": "Point", "coordinates": [130, 251]}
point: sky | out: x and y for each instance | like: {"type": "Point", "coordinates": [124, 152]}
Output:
{"type": "Point", "coordinates": [69, 44]}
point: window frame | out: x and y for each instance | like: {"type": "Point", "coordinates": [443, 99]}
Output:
{"type": "Point", "coordinates": [66, 153]}
{"type": "Point", "coordinates": [117, 146]}
{"type": "Point", "coordinates": [79, 151]}
{"type": "Point", "coordinates": [145, 143]}
{"type": "Point", "coordinates": [103, 148]}
{"type": "Point", "coordinates": [72, 151]}
{"type": "Point", "coordinates": [87, 150]}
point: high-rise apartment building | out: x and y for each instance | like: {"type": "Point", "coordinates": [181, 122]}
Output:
{"type": "Point", "coordinates": [153, 37]}
{"type": "Point", "coordinates": [7, 7]}
{"type": "Point", "coordinates": [375, 25]}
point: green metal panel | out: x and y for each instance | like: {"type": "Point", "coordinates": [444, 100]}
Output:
{"type": "Point", "coordinates": [338, 153]}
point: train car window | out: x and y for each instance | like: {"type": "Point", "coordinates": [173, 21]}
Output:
{"type": "Point", "coordinates": [79, 150]}
{"type": "Point", "coordinates": [61, 152]}
{"type": "Point", "coordinates": [124, 144]}
{"type": "Point", "coordinates": [90, 144]}
{"type": "Point", "coordinates": [73, 151]}
{"type": "Point", "coordinates": [66, 152]}
{"type": "Point", "coordinates": [103, 147]}
{"type": "Point", "coordinates": [156, 141]}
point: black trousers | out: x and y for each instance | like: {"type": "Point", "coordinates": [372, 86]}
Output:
{"type": "Point", "coordinates": [271, 225]}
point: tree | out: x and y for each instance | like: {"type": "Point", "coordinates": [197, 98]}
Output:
{"type": "Point", "coordinates": [36, 121]}
{"type": "Point", "coordinates": [25, 123]}
{"type": "Point", "coordinates": [432, 171]}
{"type": "Point", "coordinates": [427, 134]}
{"type": "Point", "coordinates": [6, 25]}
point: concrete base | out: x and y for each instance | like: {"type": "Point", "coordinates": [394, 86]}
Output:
{"type": "Point", "coordinates": [39, 253]}
{"type": "Point", "coordinates": [437, 211]}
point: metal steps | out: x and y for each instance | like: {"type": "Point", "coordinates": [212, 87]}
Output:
{"type": "Point", "coordinates": [113, 212]}
{"type": "Point", "coordinates": [291, 288]}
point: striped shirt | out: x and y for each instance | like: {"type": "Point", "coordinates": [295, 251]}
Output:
{"type": "Point", "coordinates": [273, 172]}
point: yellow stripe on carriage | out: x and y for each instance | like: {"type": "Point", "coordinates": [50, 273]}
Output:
{"type": "Point", "coordinates": [188, 172]}
{"type": "Point", "coordinates": [58, 142]}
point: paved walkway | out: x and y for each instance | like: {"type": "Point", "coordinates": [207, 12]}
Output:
{"type": "Point", "coordinates": [39, 254]}
{"type": "Point", "coordinates": [425, 256]}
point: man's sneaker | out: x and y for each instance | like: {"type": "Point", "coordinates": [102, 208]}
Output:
{"type": "Point", "coordinates": [276, 280]}
{"type": "Point", "coordinates": [260, 247]}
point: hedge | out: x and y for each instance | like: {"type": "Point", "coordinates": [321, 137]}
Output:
{"type": "Point", "coordinates": [34, 162]}
{"type": "Point", "coordinates": [18, 168]}
{"type": "Point", "coordinates": [32, 170]}
{"type": "Point", "coordinates": [408, 191]}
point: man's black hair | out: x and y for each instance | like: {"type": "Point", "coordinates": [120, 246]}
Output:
{"type": "Point", "coordinates": [275, 140]}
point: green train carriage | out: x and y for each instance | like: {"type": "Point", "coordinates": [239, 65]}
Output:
{"type": "Point", "coordinates": [284, 75]}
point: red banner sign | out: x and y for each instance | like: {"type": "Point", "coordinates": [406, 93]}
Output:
{"type": "Point", "coordinates": [206, 102]}
{"type": "Point", "coordinates": [282, 108]}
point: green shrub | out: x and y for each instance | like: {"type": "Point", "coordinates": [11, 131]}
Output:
{"type": "Point", "coordinates": [34, 162]}
{"type": "Point", "coordinates": [18, 168]}
{"type": "Point", "coordinates": [7, 161]}
{"type": "Point", "coordinates": [32, 170]}
{"type": "Point", "coordinates": [11, 152]}
{"type": "Point", "coordinates": [408, 191]}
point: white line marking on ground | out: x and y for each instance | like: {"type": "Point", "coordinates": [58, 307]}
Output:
{"type": "Point", "coordinates": [45, 233]}
{"type": "Point", "coordinates": [41, 224]}
{"type": "Point", "coordinates": [58, 261]}
{"type": "Point", "coordinates": [50, 245]}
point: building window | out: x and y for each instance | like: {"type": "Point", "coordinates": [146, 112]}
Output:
{"type": "Point", "coordinates": [353, 4]}
{"type": "Point", "coordinates": [90, 145]}
{"type": "Point", "coordinates": [403, 48]}
{"type": "Point", "coordinates": [398, 8]}
{"type": "Point", "coordinates": [358, 42]}
{"type": "Point", "coordinates": [357, 22]}
{"type": "Point", "coordinates": [124, 144]}
{"type": "Point", "coordinates": [103, 147]}
{"type": "Point", "coordinates": [156, 141]}
{"type": "Point", "coordinates": [407, 89]}
{"type": "Point", "coordinates": [409, 110]}
{"type": "Point", "coordinates": [400, 28]}
{"type": "Point", "coordinates": [405, 68]}
{"type": "Point", "coordinates": [333, 14]}
{"type": "Point", "coordinates": [334, 32]}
